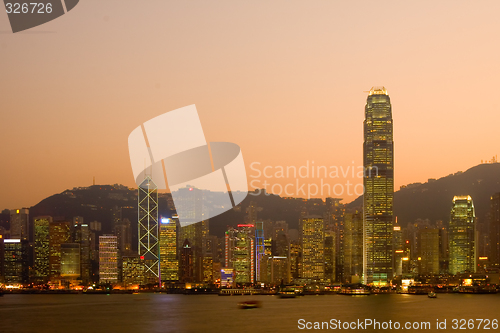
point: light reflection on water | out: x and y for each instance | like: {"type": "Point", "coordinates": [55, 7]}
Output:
{"type": "Point", "coordinates": [210, 313]}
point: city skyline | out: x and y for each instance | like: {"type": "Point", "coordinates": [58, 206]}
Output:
{"type": "Point", "coordinates": [261, 100]}
{"type": "Point", "coordinates": [325, 161]}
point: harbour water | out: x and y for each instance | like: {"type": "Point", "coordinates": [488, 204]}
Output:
{"type": "Point", "coordinates": [208, 313]}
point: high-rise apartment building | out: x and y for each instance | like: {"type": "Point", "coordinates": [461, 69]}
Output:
{"type": "Point", "coordinates": [378, 161]}
{"type": "Point", "coordinates": [462, 236]}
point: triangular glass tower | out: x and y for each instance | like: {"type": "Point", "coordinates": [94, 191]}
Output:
{"type": "Point", "coordinates": [149, 249]}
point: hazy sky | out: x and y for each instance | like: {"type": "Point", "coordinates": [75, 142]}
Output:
{"type": "Point", "coordinates": [286, 80]}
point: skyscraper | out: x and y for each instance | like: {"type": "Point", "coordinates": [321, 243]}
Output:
{"type": "Point", "coordinates": [149, 248]}
{"type": "Point", "coordinates": [108, 259]}
{"type": "Point", "coordinates": [240, 252]}
{"type": "Point", "coordinates": [186, 262]}
{"type": "Point", "coordinates": [41, 248]}
{"type": "Point", "coordinates": [84, 238]}
{"type": "Point", "coordinates": [462, 234]}
{"type": "Point", "coordinates": [312, 241]}
{"type": "Point", "coordinates": [259, 248]}
{"type": "Point", "coordinates": [378, 161]}
{"type": "Point", "coordinates": [169, 261]}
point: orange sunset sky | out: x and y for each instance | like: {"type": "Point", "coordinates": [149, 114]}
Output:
{"type": "Point", "coordinates": [285, 80]}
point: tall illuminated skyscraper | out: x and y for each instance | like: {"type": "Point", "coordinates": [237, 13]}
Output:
{"type": "Point", "coordinates": [462, 234]}
{"type": "Point", "coordinates": [149, 249]}
{"type": "Point", "coordinates": [169, 261]}
{"type": "Point", "coordinates": [41, 248]}
{"type": "Point", "coordinates": [312, 241]}
{"type": "Point", "coordinates": [378, 161]}
{"type": "Point", "coordinates": [240, 252]}
{"type": "Point", "coordinates": [259, 248]}
{"type": "Point", "coordinates": [84, 238]}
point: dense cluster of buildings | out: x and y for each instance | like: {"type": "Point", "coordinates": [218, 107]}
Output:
{"type": "Point", "coordinates": [368, 246]}
{"type": "Point", "coordinates": [326, 249]}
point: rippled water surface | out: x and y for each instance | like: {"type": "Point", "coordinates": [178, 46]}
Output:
{"type": "Point", "coordinates": [210, 313]}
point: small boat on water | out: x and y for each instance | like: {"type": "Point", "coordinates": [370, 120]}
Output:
{"type": "Point", "coordinates": [249, 305]}
{"type": "Point", "coordinates": [432, 295]}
